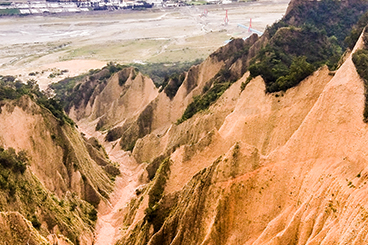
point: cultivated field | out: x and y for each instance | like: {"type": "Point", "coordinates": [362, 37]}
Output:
{"type": "Point", "coordinates": [46, 44]}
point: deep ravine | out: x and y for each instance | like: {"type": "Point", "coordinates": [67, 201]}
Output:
{"type": "Point", "coordinates": [108, 227]}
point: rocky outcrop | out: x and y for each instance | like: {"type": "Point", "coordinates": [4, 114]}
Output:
{"type": "Point", "coordinates": [58, 154]}
{"type": "Point", "coordinates": [284, 168]}
{"type": "Point", "coordinates": [127, 106]}
{"type": "Point", "coordinates": [65, 174]}
{"type": "Point", "coordinates": [252, 168]}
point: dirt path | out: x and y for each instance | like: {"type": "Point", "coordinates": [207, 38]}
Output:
{"type": "Point", "coordinates": [108, 222]}
{"type": "Point", "coordinates": [109, 216]}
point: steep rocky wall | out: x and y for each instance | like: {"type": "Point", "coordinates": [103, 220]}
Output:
{"type": "Point", "coordinates": [112, 100]}
{"type": "Point", "coordinates": [266, 121]}
{"type": "Point", "coordinates": [291, 170]}
{"type": "Point", "coordinates": [58, 154]}
{"type": "Point", "coordinates": [15, 229]}
{"type": "Point", "coordinates": [129, 106]}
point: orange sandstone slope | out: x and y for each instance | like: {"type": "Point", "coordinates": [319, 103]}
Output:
{"type": "Point", "coordinates": [127, 106]}
{"type": "Point", "coordinates": [64, 177]}
{"type": "Point", "coordinates": [290, 169]}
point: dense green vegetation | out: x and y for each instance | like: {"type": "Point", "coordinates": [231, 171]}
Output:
{"type": "Point", "coordinates": [312, 34]}
{"type": "Point", "coordinates": [9, 159]}
{"type": "Point", "coordinates": [293, 54]}
{"type": "Point", "coordinates": [334, 17]}
{"type": "Point", "coordinates": [355, 32]}
{"type": "Point", "coordinates": [11, 89]}
{"type": "Point", "coordinates": [279, 72]}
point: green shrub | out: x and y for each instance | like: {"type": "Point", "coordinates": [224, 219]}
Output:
{"type": "Point", "coordinates": [35, 222]}
{"type": "Point", "coordinates": [114, 134]}
{"type": "Point", "coordinates": [156, 193]}
{"type": "Point", "coordinates": [360, 59]}
{"type": "Point", "coordinates": [203, 102]}
{"type": "Point", "coordinates": [11, 160]}
{"type": "Point", "coordinates": [299, 70]}
{"type": "Point", "coordinates": [92, 214]}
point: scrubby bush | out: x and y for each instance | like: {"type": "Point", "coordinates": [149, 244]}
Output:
{"type": "Point", "coordinates": [56, 109]}
{"type": "Point", "coordinates": [360, 59]}
{"type": "Point", "coordinates": [204, 101]}
{"type": "Point", "coordinates": [156, 193]}
{"type": "Point", "coordinates": [35, 222]}
{"type": "Point", "coordinates": [292, 55]}
{"type": "Point", "coordinates": [92, 215]}
{"type": "Point", "coordinates": [11, 160]}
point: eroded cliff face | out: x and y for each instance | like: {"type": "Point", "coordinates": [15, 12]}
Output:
{"type": "Point", "coordinates": [65, 177]}
{"type": "Point", "coordinates": [15, 229]}
{"type": "Point", "coordinates": [127, 106]}
{"type": "Point", "coordinates": [284, 168]}
{"type": "Point", "coordinates": [26, 126]}
{"type": "Point", "coordinates": [253, 168]}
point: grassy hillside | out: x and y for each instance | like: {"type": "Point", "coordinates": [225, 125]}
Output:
{"type": "Point", "coordinates": [312, 34]}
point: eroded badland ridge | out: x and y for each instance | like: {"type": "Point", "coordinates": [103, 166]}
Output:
{"type": "Point", "coordinates": [262, 143]}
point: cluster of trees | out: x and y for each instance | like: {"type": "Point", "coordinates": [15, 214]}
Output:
{"type": "Point", "coordinates": [312, 34]}
{"type": "Point", "coordinates": [334, 17]}
{"type": "Point", "coordinates": [12, 89]}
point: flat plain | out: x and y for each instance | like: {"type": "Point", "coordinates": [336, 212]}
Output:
{"type": "Point", "coordinates": [45, 45]}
